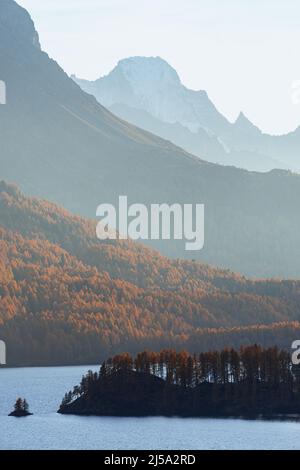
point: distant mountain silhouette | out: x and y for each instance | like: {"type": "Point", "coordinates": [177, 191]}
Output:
{"type": "Point", "coordinates": [188, 118]}
{"type": "Point", "coordinates": [203, 143]}
{"type": "Point", "coordinates": [59, 143]}
{"type": "Point", "coordinates": [152, 85]}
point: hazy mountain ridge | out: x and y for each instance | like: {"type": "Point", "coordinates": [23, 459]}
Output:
{"type": "Point", "coordinates": [59, 143]}
{"type": "Point", "coordinates": [206, 144]}
{"type": "Point", "coordinates": [150, 84]}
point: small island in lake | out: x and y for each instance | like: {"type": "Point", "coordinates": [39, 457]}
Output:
{"type": "Point", "coordinates": [252, 382]}
{"type": "Point", "coordinates": [21, 409]}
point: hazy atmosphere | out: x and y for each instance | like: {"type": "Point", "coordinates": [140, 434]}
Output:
{"type": "Point", "coordinates": [243, 53]}
{"type": "Point", "coordinates": [149, 227]}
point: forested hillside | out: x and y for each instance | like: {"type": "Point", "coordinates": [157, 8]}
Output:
{"type": "Point", "coordinates": [68, 298]}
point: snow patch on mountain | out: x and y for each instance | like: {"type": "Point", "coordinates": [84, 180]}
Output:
{"type": "Point", "coordinates": [151, 84]}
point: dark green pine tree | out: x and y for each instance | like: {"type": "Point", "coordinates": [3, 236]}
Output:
{"type": "Point", "coordinates": [18, 405]}
{"type": "Point", "coordinates": [25, 406]}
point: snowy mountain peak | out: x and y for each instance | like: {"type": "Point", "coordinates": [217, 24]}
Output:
{"type": "Point", "coordinates": [152, 85]}
{"type": "Point", "coordinates": [148, 70]}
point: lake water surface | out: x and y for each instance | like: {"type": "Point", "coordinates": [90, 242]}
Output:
{"type": "Point", "coordinates": [44, 388]}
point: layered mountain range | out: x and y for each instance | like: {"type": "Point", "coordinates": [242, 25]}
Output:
{"type": "Point", "coordinates": [60, 143]}
{"type": "Point", "coordinates": [147, 92]}
{"type": "Point", "coordinates": [68, 298]}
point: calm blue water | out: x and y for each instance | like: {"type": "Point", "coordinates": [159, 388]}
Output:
{"type": "Point", "coordinates": [45, 387]}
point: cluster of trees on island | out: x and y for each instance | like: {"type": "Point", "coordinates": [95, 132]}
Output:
{"type": "Point", "coordinates": [252, 380]}
{"type": "Point", "coordinates": [21, 408]}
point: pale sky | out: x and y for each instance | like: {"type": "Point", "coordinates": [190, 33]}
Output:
{"type": "Point", "coordinates": [244, 53]}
